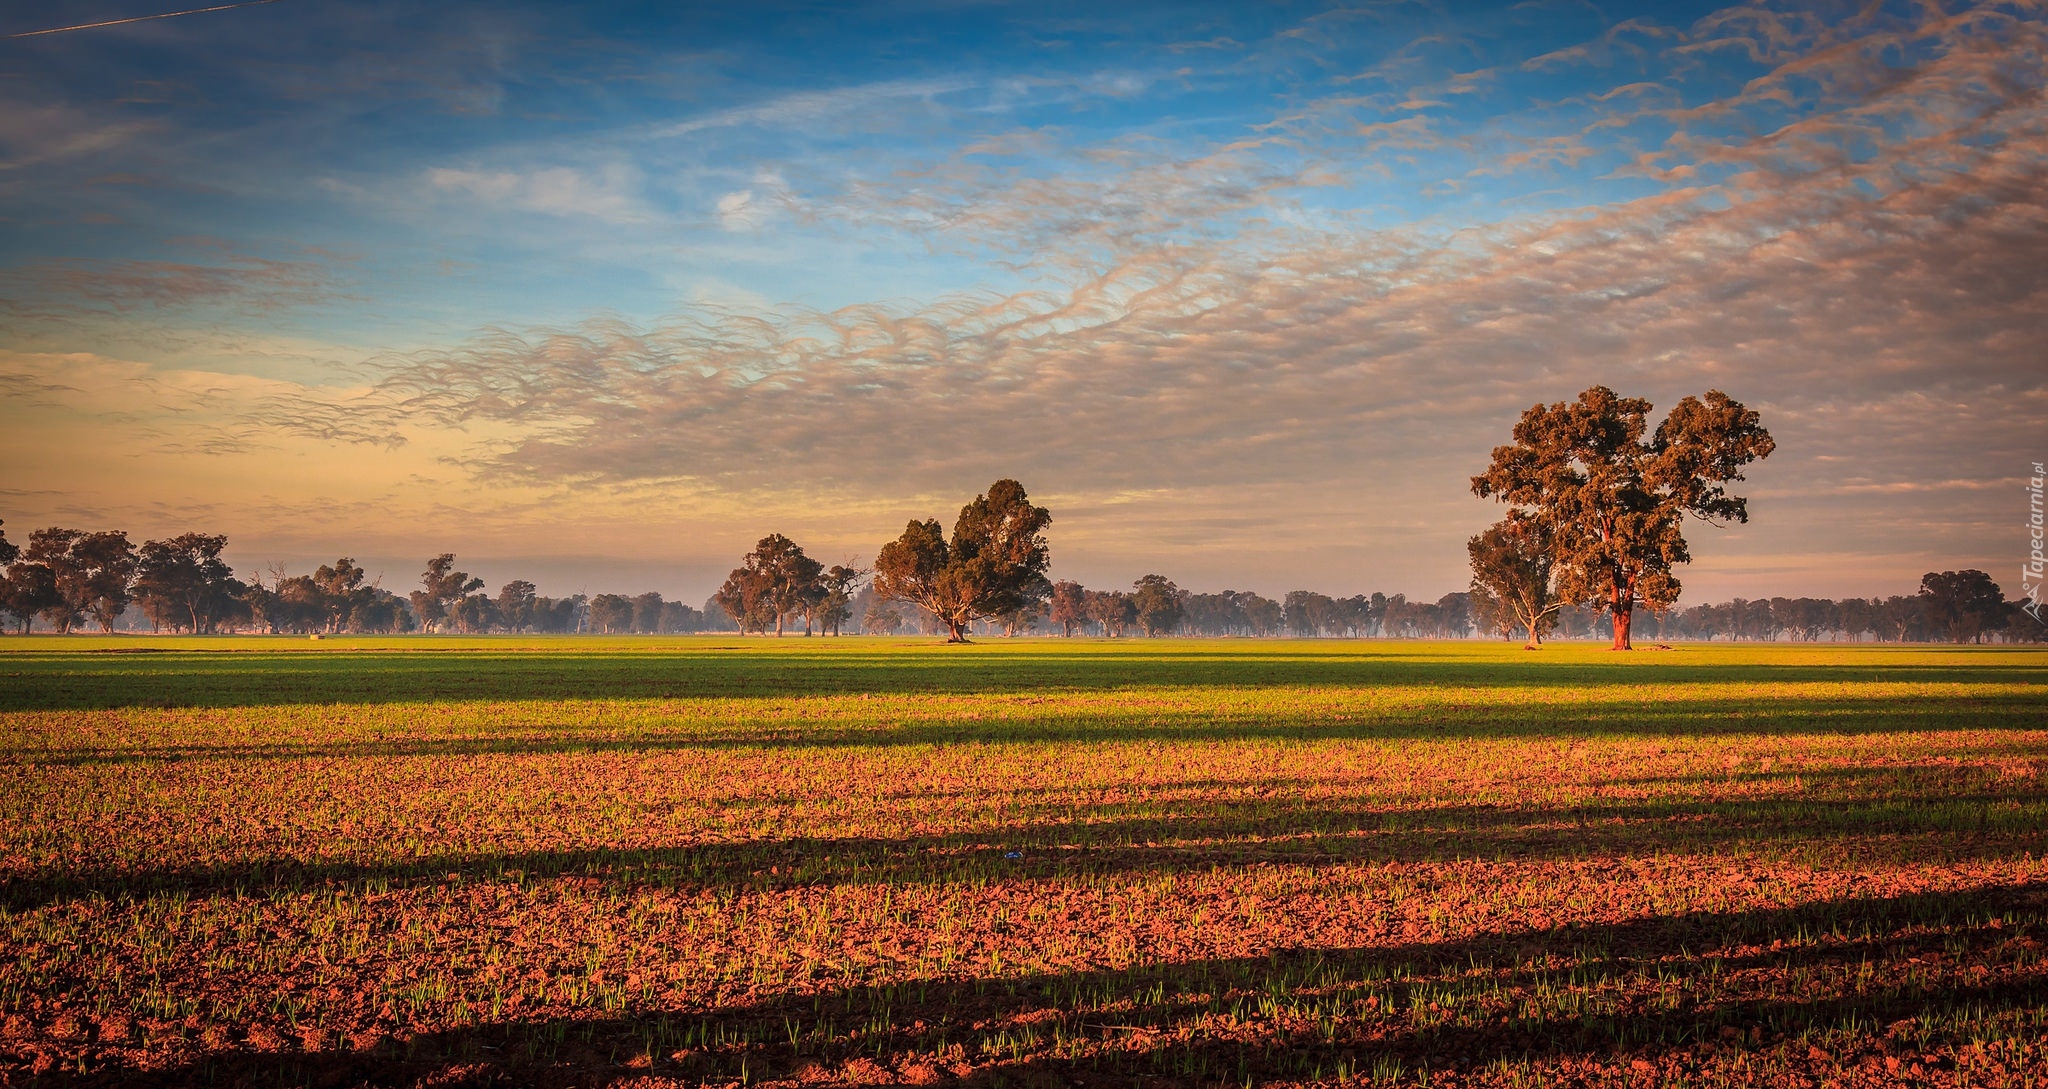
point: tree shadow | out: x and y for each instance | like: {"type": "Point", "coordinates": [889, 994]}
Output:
{"type": "Point", "coordinates": [1706, 985]}
{"type": "Point", "coordinates": [1025, 722]}
{"type": "Point", "coordinates": [1859, 813]}
{"type": "Point", "coordinates": [179, 678]}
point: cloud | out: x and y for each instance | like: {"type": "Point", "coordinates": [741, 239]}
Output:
{"type": "Point", "coordinates": [813, 107]}
{"type": "Point", "coordinates": [1883, 308]}
{"type": "Point", "coordinates": [78, 289]}
{"type": "Point", "coordinates": [36, 134]}
{"type": "Point", "coordinates": [751, 209]}
{"type": "Point", "coordinates": [610, 192]}
{"type": "Point", "coordinates": [1836, 219]}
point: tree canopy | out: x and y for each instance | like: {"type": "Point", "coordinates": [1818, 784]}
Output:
{"type": "Point", "coordinates": [1512, 585]}
{"type": "Point", "coordinates": [442, 590]}
{"type": "Point", "coordinates": [91, 572]}
{"type": "Point", "coordinates": [1158, 604]}
{"type": "Point", "coordinates": [995, 563]}
{"type": "Point", "coordinates": [773, 582]}
{"type": "Point", "coordinates": [183, 582]}
{"type": "Point", "coordinates": [1964, 604]}
{"type": "Point", "coordinates": [1615, 501]}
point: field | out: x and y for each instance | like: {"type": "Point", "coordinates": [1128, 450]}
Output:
{"type": "Point", "coordinates": [715, 861]}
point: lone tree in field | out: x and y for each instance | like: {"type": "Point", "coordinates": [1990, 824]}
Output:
{"type": "Point", "coordinates": [994, 565]}
{"type": "Point", "coordinates": [1512, 583]}
{"type": "Point", "coordinates": [1614, 502]}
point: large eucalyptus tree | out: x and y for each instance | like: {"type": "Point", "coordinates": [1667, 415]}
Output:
{"type": "Point", "coordinates": [1614, 500]}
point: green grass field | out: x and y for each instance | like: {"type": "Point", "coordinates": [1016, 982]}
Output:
{"type": "Point", "coordinates": [704, 860]}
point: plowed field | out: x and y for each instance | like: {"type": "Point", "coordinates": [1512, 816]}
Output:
{"type": "Point", "coordinates": [715, 861]}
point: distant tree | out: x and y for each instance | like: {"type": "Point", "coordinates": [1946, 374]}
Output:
{"type": "Point", "coordinates": [1900, 617]}
{"type": "Point", "coordinates": [647, 613]}
{"type": "Point", "coordinates": [773, 582]}
{"type": "Point", "coordinates": [299, 604]}
{"type": "Point", "coordinates": [745, 596]}
{"type": "Point", "coordinates": [1454, 615]}
{"type": "Point", "coordinates": [995, 563]}
{"type": "Point", "coordinates": [1965, 604]}
{"type": "Point", "coordinates": [1113, 609]}
{"type": "Point", "coordinates": [1263, 615]}
{"type": "Point", "coordinates": [92, 573]}
{"type": "Point", "coordinates": [713, 616]}
{"type": "Point", "coordinates": [185, 578]}
{"type": "Point", "coordinates": [1158, 602]}
{"type": "Point", "coordinates": [50, 549]}
{"type": "Point", "coordinates": [1068, 606]}
{"type": "Point", "coordinates": [840, 582]}
{"type": "Point", "coordinates": [1615, 502]}
{"type": "Point", "coordinates": [343, 597]}
{"type": "Point", "coordinates": [441, 588]}
{"type": "Point", "coordinates": [9, 551]}
{"type": "Point", "coordinates": [27, 591]}
{"type": "Point", "coordinates": [611, 614]}
{"type": "Point", "coordinates": [557, 615]}
{"type": "Point", "coordinates": [1021, 620]}
{"type": "Point", "coordinates": [1511, 573]}
{"type": "Point", "coordinates": [1493, 616]}
{"type": "Point", "coordinates": [880, 618]}
{"type": "Point", "coordinates": [474, 614]}
{"type": "Point", "coordinates": [677, 617]}
{"type": "Point", "coordinates": [1308, 613]}
{"type": "Point", "coordinates": [1393, 616]}
{"type": "Point", "coordinates": [516, 600]}
{"type": "Point", "coordinates": [379, 610]}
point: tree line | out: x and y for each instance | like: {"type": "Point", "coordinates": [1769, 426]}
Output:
{"type": "Point", "coordinates": [1938, 613]}
{"type": "Point", "coordinates": [988, 577]}
{"type": "Point", "coordinates": [67, 579]}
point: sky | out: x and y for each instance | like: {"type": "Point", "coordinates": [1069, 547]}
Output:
{"type": "Point", "coordinates": [598, 294]}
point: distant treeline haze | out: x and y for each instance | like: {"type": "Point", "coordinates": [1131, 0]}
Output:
{"type": "Point", "coordinates": [66, 579]}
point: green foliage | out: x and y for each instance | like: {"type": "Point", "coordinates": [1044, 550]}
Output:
{"type": "Point", "coordinates": [994, 565]}
{"type": "Point", "coordinates": [183, 582]}
{"type": "Point", "coordinates": [1158, 604]}
{"type": "Point", "coordinates": [91, 573]}
{"type": "Point", "coordinates": [772, 583]}
{"type": "Point", "coordinates": [1964, 604]}
{"type": "Point", "coordinates": [1511, 576]}
{"type": "Point", "coordinates": [1614, 502]}
{"type": "Point", "coordinates": [442, 590]}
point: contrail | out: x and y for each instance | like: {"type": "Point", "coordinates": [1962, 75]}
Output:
{"type": "Point", "coordinates": [136, 19]}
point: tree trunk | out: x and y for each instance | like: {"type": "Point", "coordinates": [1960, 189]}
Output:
{"type": "Point", "coordinates": [959, 630]}
{"type": "Point", "coordinates": [1624, 612]}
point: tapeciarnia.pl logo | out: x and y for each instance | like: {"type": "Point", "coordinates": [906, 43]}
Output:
{"type": "Point", "coordinates": [2032, 575]}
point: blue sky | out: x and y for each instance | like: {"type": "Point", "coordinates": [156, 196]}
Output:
{"type": "Point", "coordinates": [600, 293]}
